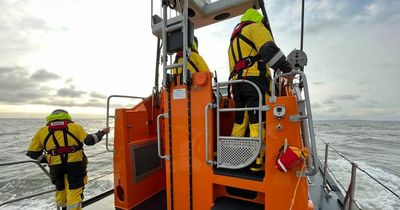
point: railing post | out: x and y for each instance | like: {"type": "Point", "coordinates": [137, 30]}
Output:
{"type": "Point", "coordinates": [349, 199]}
{"type": "Point", "coordinates": [108, 114]}
{"type": "Point", "coordinates": [325, 184]}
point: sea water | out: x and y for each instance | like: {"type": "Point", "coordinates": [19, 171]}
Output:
{"type": "Point", "coordinates": [373, 145]}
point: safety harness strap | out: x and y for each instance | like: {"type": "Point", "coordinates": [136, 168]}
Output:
{"type": "Point", "coordinates": [63, 151]}
{"type": "Point", "coordinates": [180, 55]}
{"type": "Point", "coordinates": [243, 62]}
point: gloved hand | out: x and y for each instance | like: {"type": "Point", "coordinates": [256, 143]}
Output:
{"type": "Point", "coordinates": [106, 130]}
{"type": "Point", "coordinates": [286, 67]}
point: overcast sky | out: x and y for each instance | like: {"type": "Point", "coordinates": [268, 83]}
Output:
{"type": "Point", "coordinates": [72, 54]}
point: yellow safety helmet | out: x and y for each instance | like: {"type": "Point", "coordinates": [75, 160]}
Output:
{"type": "Point", "coordinates": [58, 114]}
{"type": "Point", "coordinates": [195, 43]}
{"type": "Point", "coordinates": [252, 15]}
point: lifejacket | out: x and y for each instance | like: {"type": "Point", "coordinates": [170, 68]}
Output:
{"type": "Point", "coordinates": [61, 150]}
{"type": "Point", "coordinates": [290, 157]}
{"type": "Point", "coordinates": [180, 55]}
{"type": "Point", "coordinates": [241, 62]}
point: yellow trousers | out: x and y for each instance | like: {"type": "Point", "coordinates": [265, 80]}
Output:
{"type": "Point", "coordinates": [71, 199]}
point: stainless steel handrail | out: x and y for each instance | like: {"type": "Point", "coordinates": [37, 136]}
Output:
{"type": "Point", "coordinates": [28, 161]}
{"type": "Point", "coordinates": [164, 115]}
{"type": "Point", "coordinates": [36, 194]}
{"type": "Point", "coordinates": [260, 108]}
{"type": "Point", "coordinates": [207, 107]}
{"type": "Point", "coordinates": [108, 113]}
{"type": "Point", "coordinates": [307, 119]}
{"type": "Point", "coordinates": [28, 196]}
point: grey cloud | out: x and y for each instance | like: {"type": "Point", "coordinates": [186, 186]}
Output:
{"type": "Point", "coordinates": [17, 86]}
{"type": "Point", "coordinates": [97, 95]}
{"type": "Point", "coordinates": [94, 103]}
{"type": "Point", "coordinates": [70, 92]}
{"type": "Point", "coordinates": [14, 78]}
{"type": "Point", "coordinates": [18, 27]}
{"type": "Point", "coordinates": [69, 80]}
{"type": "Point", "coordinates": [44, 75]}
{"type": "Point", "coordinates": [329, 101]}
{"type": "Point", "coordinates": [318, 83]}
{"type": "Point", "coordinates": [346, 97]}
{"type": "Point", "coordinates": [62, 102]}
{"type": "Point", "coordinates": [316, 105]}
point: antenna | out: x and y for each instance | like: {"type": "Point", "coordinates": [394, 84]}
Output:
{"type": "Point", "coordinates": [265, 20]}
{"type": "Point", "coordinates": [302, 25]}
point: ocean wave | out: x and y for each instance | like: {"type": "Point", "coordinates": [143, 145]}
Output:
{"type": "Point", "coordinates": [369, 194]}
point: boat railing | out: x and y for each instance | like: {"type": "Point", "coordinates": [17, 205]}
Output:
{"type": "Point", "coordinates": [305, 116]}
{"type": "Point", "coordinates": [234, 152]}
{"type": "Point", "coordinates": [349, 200]}
{"type": "Point", "coordinates": [45, 171]}
{"type": "Point", "coordinates": [108, 116]}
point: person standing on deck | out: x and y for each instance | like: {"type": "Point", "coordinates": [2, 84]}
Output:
{"type": "Point", "coordinates": [196, 63]}
{"type": "Point", "coordinates": [60, 144]}
{"type": "Point", "coordinates": [252, 51]}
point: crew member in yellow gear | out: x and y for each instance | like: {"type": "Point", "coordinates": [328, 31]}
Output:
{"type": "Point", "coordinates": [196, 63]}
{"type": "Point", "coordinates": [252, 51]}
{"type": "Point", "coordinates": [60, 144]}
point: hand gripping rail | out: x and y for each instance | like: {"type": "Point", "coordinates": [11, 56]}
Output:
{"type": "Point", "coordinates": [306, 119]}
{"type": "Point", "coordinates": [108, 113]}
{"type": "Point", "coordinates": [235, 152]}
{"type": "Point", "coordinates": [164, 115]}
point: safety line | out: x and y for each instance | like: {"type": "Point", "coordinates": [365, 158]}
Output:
{"type": "Point", "coordinates": [358, 167]}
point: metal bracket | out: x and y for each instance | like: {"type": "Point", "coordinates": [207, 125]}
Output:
{"type": "Point", "coordinates": [295, 118]}
{"type": "Point", "coordinates": [265, 108]}
{"type": "Point", "coordinates": [272, 99]}
{"type": "Point", "coordinates": [301, 174]}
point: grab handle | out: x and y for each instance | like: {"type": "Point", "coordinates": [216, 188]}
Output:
{"type": "Point", "coordinates": [164, 115]}
{"type": "Point", "coordinates": [207, 107]}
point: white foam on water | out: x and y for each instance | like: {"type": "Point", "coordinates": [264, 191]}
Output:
{"type": "Point", "coordinates": [369, 194]}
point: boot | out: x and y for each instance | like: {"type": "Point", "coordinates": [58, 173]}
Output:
{"type": "Point", "coordinates": [239, 130]}
{"type": "Point", "coordinates": [254, 131]}
{"type": "Point", "coordinates": [259, 165]}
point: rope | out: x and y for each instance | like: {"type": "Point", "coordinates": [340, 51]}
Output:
{"type": "Point", "coordinates": [297, 186]}
{"type": "Point", "coordinates": [387, 188]}
{"type": "Point", "coordinates": [93, 155]}
{"type": "Point", "coordinates": [101, 176]}
{"type": "Point", "coordinates": [362, 170]}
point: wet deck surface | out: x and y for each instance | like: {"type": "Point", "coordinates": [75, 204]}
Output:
{"type": "Point", "coordinates": [106, 203]}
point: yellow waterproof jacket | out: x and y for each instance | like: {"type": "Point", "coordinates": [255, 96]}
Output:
{"type": "Point", "coordinates": [259, 35]}
{"type": "Point", "coordinates": [196, 60]}
{"type": "Point", "coordinates": [37, 143]}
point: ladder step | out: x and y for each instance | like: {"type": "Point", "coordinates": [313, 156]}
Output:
{"type": "Point", "coordinates": [237, 138]}
{"type": "Point", "coordinates": [239, 109]}
{"type": "Point", "coordinates": [174, 27]}
{"type": "Point", "coordinates": [175, 65]}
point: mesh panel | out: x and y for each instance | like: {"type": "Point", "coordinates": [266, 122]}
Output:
{"type": "Point", "coordinates": [236, 154]}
